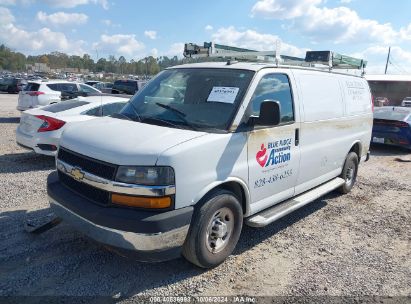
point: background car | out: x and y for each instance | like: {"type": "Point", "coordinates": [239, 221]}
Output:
{"type": "Point", "coordinates": [12, 85]}
{"type": "Point", "coordinates": [406, 102]}
{"type": "Point", "coordinates": [381, 101]}
{"type": "Point", "coordinates": [91, 82]}
{"type": "Point", "coordinates": [40, 93]}
{"type": "Point", "coordinates": [392, 126]}
{"type": "Point", "coordinates": [127, 86]}
{"type": "Point", "coordinates": [81, 90]}
{"type": "Point", "coordinates": [40, 129]}
{"type": "Point", "coordinates": [104, 87]}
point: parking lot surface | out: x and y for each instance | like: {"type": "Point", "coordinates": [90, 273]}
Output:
{"type": "Point", "coordinates": [341, 245]}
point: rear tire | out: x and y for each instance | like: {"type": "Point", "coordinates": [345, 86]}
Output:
{"type": "Point", "coordinates": [215, 230]}
{"type": "Point", "coordinates": [349, 172]}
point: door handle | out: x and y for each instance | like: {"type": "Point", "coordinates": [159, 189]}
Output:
{"type": "Point", "coordinates": [297, 137]}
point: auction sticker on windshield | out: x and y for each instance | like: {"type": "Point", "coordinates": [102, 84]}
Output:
{"type": "Point", "coordinates": [223, 94]}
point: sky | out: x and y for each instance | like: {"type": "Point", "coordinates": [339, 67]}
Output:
{"type": "Point", "coordinates": [135, 29]}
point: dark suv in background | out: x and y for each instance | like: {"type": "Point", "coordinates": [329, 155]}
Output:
{"type": "Point", "coordinates": [127, 86]}
{"type": "Point", "coordinates": [12, 85]}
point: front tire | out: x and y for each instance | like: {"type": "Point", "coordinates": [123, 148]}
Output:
{"type": "Point", "coordinates": [349, 172]}
{"type": "Point", "coordinates": [215, 230]}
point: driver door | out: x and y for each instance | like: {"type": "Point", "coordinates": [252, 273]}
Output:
{"type": "Point", "coordinates": [273, 151]}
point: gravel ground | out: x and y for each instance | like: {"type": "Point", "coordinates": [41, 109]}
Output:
{"type": "Point", "coordinates": [352, 245]}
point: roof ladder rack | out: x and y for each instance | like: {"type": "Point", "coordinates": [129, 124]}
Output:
{"type": "Point", "coordinates": [316, 59]}
{"type": "Point", "coordinates": [335, 60]}
{"type": "Point", "coordinates": [211, 50]}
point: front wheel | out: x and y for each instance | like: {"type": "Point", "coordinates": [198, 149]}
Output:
{"type": "Point", "coordinates": [349, 172]}
{"type": "Point", "coordinates": [215, 230]}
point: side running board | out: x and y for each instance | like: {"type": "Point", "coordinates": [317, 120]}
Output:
{"type": "Point", "coordinates": [272, 214]}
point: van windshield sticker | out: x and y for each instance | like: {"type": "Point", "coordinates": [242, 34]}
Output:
{"type": "Point", "coordinates": [223, 94]}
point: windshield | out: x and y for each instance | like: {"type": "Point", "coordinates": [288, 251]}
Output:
{"type": "Point", "coordinates": [198, 99]}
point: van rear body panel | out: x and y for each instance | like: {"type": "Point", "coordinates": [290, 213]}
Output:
{"type": "Point", "coordinates": [337, 113]}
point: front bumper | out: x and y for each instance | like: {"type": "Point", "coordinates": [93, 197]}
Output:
{"type": "Point", "coordinates": [150, 235]}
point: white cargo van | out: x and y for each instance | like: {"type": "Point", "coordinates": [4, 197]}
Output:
{"type": "Point", "coordinates": [204, 148]}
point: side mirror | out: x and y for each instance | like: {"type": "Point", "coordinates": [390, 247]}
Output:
{"type": "Point", "coordinates": [269, 114]}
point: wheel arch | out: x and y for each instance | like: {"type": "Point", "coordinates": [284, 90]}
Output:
{"type": "Point", "coordinates": [356, 147]}
{"type": "Point", "coordinates": [233, 184]}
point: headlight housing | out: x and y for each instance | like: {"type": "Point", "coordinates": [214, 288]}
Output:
{"type": "Point", "coordinates": [151, 176]}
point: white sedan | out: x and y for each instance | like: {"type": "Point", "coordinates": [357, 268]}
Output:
{"type": "Point", "coordinates": [41, 93]}
{"type": "Point", "coordinates": [40, 129]}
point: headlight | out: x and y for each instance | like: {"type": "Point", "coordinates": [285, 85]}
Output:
{"type": "Point", "coordinates": [158, 176]}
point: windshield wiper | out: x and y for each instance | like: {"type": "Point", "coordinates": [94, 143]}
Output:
{"type": "Point", "coordinates": [160, 120]}
{"type": "Point", "coordinates": [178, 113]}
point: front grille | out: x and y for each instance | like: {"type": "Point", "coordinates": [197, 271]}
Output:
{"type": "Point", "coordinates": [96, 195]}
{"type": "Point", "coordinates": [90, 165]}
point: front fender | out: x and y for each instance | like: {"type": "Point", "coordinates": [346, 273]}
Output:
{"type": "Point", "coordinates": [216, 184]}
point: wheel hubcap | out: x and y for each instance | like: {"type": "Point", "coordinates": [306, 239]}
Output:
{"type": "Point", "coordinates": [219, 230]}
{"type": "Point", "coordinates": [349, 176]}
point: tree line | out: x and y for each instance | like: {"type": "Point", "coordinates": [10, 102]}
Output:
{"type": "Point", "coordinates": [16, 62]}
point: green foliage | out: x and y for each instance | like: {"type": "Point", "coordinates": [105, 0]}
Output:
{"type": "Point", "coordinates": [15, 62]}
{"type": "Point", "coordinates": [12, 61]}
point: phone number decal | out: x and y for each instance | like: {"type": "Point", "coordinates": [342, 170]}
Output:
{"type": "Point", "coordinates": [261, 182]}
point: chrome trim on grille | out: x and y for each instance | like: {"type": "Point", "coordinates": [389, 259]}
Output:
{"type": "Point", "coordinates": [113, 186]}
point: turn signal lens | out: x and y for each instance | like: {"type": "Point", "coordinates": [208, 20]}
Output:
{"type": "Point", "coordinates": [141, 202]}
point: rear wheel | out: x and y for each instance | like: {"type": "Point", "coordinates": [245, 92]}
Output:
{"type": "Point", "coordinates": [215, 230]}
{"type": "Point", "coordinates": [349, 172]}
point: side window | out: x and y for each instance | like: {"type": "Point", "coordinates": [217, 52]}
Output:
{"type": "Point", "coordinates": [110, 109]}
{"type": "Point", "coordinates": [68, 87]}
{"type": "Point", "coordinates": [274, 87]}
{"type": "Point", "coordinates": [54, 86]}
{"type": "Point", "coordinates": [86, 89]}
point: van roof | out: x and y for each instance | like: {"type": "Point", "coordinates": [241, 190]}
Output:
{"type": "Point", "coordinates": [255, 66]}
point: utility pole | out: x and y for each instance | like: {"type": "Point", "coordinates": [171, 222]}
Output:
{"type": "Point", "coordinates": [146, 66]}
{"type": "Point", "coordinates": [388, 59]}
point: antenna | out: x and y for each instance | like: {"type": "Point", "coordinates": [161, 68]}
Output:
{"type": "Point", "coordinates": [388, 60]}
{"type": "Point", "coordinates": [101, 104]}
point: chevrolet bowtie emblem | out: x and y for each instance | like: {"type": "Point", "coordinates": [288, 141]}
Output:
{"type": "Point", "coordinates": [77, 174]}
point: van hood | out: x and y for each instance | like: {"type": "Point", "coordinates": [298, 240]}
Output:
{"type": "Point", "coordinates": [123, 142]}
